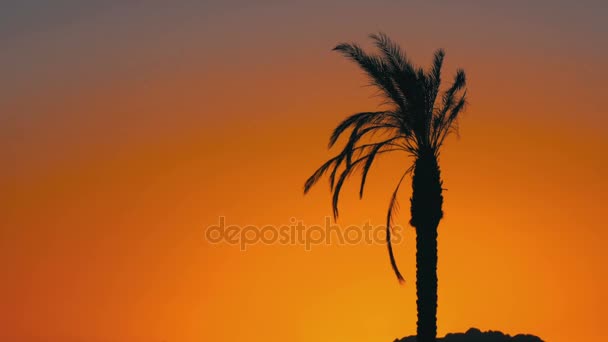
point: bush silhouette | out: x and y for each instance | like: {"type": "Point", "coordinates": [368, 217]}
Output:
{"type": "Point", "coordinates": [475, 335]}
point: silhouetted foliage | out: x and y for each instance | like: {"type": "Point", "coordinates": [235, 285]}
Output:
{"type": "Point", "coordinates": [416, 122]}
{"type": "Point", "coordinates": [475, 335]}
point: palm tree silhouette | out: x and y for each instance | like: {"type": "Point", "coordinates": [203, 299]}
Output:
{"type": "Point", "coordinates": [417, 122]}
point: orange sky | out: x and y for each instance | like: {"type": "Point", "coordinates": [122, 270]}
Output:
{"type": "Point", "coordinates": [128, 129]}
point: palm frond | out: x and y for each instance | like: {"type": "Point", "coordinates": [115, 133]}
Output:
{"type": "Point", "coordinates": [451, 125]}
{"type": "Point", "coordinates": [312, 180]}
{"type": "Point", "coordinates": [435, 72]}
{"type": "Point", "coordinates": [370, 160]}
{"type": "Point", "coordinates": [434, 77]}
{"type": "Point", "coordinates": [350, 121]}
{"type": "Point", "coordinates": [332, 176]}
{"type": "Point", "coordinates": [441, 120]}
{"type": "Point", "coordinates": [336, 191]}
{"type": "Point", "coordinates": [404, 76]}
{"type": "Point", "coordinates": [459, 83]}
{"type": "Point", "coordinates": [389, 220]}
{"type": "Point", "coordinates": [376, 69]}
{"type": "Point", "coordinates": [392, 52]}
{"type": "Point", "coordinates": [355, 136]}
{"type": "Point", "coordinates": [349, 169]}
{"type": "Point", "coordinates": [350, 149]}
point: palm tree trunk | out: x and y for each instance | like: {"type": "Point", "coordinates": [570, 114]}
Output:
{"type": "Point", "coordinates": [426, 212]}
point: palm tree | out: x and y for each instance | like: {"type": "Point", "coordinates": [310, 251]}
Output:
{"type": "Point", "coordinates": [416, 122]}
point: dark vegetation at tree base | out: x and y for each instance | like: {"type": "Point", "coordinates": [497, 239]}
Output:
{"type": "Point", "coordinates": [475, 335]}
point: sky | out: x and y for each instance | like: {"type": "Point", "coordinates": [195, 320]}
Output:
{"type": "Point", "coordinates": [128, 128]}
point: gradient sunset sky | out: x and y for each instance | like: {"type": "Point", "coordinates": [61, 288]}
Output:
{"type": "Point", "coordinates": [129, 127]}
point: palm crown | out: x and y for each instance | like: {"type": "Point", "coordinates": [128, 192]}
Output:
{"type": "Point", "coordinates": [416, 121]}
